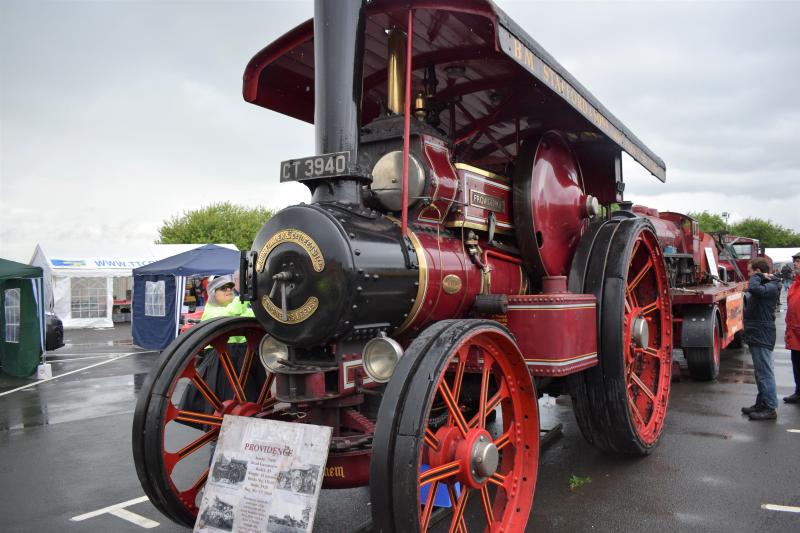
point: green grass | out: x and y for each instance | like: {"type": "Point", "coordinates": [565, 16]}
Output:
{"type": "Point", "coordinates": [576, 482]}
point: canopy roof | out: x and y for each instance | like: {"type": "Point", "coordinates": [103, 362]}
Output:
{"type": "Point", "coordinates": [494, 74]}
{"type": "Point", "coordinates": [205, 260]}
{"type": "Point", "coordinates": [12, 269]}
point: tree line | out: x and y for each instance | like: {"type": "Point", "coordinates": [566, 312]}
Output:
{"type": "Point", "coordinates": [770, 234]}
{"type": "Point", "coordinates": [229, 223]}
{"type": "Point", "coordinates": [222, 223]}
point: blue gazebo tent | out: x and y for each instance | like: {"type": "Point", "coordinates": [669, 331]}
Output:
{"type": "Point", "coordinates": [21, 317]}
{"type": "Point", "coordinates": [158, 290]}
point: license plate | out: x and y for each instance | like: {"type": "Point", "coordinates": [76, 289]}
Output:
{"type": "Point", "coordinates": [315, 167]}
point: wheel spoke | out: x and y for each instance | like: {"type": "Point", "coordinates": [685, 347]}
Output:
{"type": "Point", "coordinates": [198, 418]}
{"type": "Point", "coordinates": [636, 412]}
{"type": "Point", "coordinates": [426, 512]}
{"type": "Point", "coordinates": [206, 391]}
{"type": "Point", "coordinates": [439, 472]}
{"type": "Point", "coordinates": [266, 390]}
{"type": "Point", "coordinates": [196, 444]}
{"type": "Point", "coordinates": [498, 479]}
{"type": "Point", "coordinates": [458, 514]}
{"type": "Point", "coordinates": [431, 440]}
{"type": "Point", "coordinates": [649, 308]}
{"type": "Point", "coordinates": [487, 506]}
{"type": "Point", "coordinates": [491, 405]}
{"type": "Point", "coordinates": [452, 407]}
{"type": "Point", "coordinates": [647, 266]}
{"type": "Point", "coordinates": [230, 371]}
{"type": "Point", "coordinates": [645, 389]}
{"type": "Point", "coordinates": [635, 249]}
{"type": "Point", "coordinates": [504, 439]}
{"type": "Point", "coordinates": [248, 361]}
{"type": "Point", "coordinates": [463, 355]}
{"type": "Point", "coordinates": [487, 370]}
{"type": "Point", "coordinates": [652, 352]}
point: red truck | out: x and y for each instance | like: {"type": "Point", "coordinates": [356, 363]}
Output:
{"type": "Point", "coordinates": [706, 285]}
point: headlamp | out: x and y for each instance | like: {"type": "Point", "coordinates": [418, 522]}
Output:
{"type": "Point", "coordinates": [272, 352]}
{"type": "Point", "coordinates": [381, 356]}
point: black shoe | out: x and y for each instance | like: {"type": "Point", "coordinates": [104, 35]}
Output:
{"type": "Point", "coordinates": [764, 414]}
{"type": "Point", "coordinates": [753, 408]}
{"type": "Point", "coordinates": [794, 398]}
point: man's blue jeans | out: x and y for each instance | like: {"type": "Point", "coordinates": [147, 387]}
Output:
{"type": "Point", "coordinates": [765, 376]}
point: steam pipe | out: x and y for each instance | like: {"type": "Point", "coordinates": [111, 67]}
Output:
{"type": "Point", "coordinates": [338, 69]}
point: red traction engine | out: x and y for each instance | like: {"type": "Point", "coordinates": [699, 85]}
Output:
{"type": "Point", "coordinates": [454, 264]}
{"type": "Point", "coordinates": [707, 300]}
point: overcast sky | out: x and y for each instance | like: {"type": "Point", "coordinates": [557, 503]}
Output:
{"type": "Point", "coordinates": [117, 115]}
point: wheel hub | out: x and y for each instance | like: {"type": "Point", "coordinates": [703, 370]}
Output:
{"type": "Point", "coordinates": [640, 333]}
{"type": "Point", "coordinates": [485, 457]}
{"type": "Point", "coordinates": [232, 407]}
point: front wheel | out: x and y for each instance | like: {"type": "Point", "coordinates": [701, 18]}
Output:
{"type": "Point", "coordinates": [211, 371]}
{"type": "Point", "coordinates": [434, 449]}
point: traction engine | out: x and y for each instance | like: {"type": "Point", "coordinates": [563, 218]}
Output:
{"type": "Point", "coordinates": [707, 289]}
{"type": "Point", "coordinates": [454, 264]}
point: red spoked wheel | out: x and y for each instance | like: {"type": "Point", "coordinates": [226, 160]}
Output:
{"type": "Point", "coordinates": [211, 371]}
{"type": "Point", "coordinates": [621, 404]}
{"type": "Point", "coordinates": [439, 447]}
{"type": "Point", "coordinates": [703, 362]}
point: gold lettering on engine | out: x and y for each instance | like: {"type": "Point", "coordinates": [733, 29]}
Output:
{"type": "Point", "coordinates": [294, 316]}
{"type": "Point", "coordinates": [294, 236]}
{"type": "Point", "coordinates": [484, 201]}
{"type": "Point", "coordinates": [334, 471]}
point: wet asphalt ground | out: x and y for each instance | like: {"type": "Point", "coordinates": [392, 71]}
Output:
{"type": "Point", "coordinates": [66, 465]}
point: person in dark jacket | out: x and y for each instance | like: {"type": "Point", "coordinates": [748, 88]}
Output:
{"type": "Point", "coordinates": [759, 332]}
{"type": "Point", "coordinates": [787, 273]}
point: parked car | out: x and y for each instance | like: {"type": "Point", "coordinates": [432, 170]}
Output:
{"type": "Point", "coordinates": [54, 331]}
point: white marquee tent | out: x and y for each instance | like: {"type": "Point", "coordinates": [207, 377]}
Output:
{"type": "Point", "coordinates": [79, 280]}
{"type": "Point", "coordinates": [782, 255]}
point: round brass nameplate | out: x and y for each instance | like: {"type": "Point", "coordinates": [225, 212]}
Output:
{"type": "Point", "coordinates": [451, 284]}
{"type": "Point", "coordinates": [297, 237]}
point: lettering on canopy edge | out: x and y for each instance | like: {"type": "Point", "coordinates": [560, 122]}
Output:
{"type": "Point", "coordinates": [514, 49]}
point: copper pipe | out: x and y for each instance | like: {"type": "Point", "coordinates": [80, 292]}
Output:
{"type": "Point", "coordinates": [396, 68]}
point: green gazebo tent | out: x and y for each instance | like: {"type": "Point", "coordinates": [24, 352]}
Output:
{"type": "Point", "coordinates": [21, 317]}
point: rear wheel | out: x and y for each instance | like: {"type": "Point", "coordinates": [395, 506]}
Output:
{"type": "Point", "coordinates": [429, 452]}
{"type": "Point", "coordinates": [202, 376]}
{"type": "Point", "coordinates": [621, 404]}
{"type": "Point", "coordinates": [704, 362]}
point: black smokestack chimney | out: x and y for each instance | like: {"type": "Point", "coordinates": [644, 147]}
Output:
{"type": "Point", "coordinates": [338, 65]}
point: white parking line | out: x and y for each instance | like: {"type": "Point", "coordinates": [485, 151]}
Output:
{"type": "Point", "coordinates": [784, 508]}
{"type": "Point", "coordinates": [793, 430]}
{"type": "Point", "coordinates": [29, 385]}
{"type": "Point", "coordinates": [54, 361]}
{"type": "Point", "coordinates": [108, 509]}
{"type": "Point", "coordinates": [134, 518]}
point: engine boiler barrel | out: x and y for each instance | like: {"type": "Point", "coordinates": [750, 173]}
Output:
{"type": "Point", "coordinates": [329, 273]}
